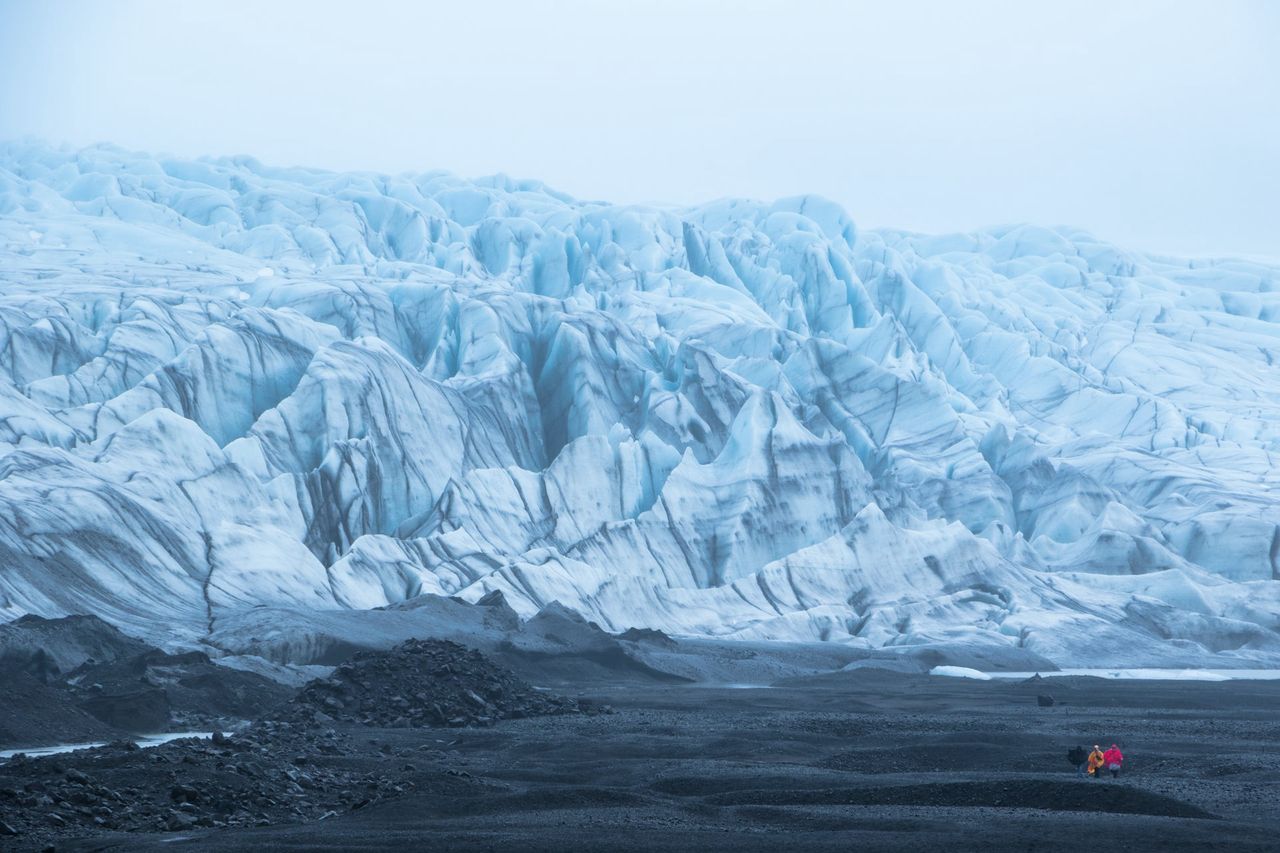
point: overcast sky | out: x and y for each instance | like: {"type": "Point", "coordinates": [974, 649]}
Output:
{"type": "Point", "coordinates": [1154, 124]}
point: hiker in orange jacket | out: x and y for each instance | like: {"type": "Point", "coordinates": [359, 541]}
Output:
{"type": "Point", "coordinates": [1096, 761]}
{"type": "Point", "coordinates": [1112, 759]}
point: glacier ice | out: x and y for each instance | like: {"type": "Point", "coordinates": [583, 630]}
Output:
{"type": "Point", "coordinates": [226, 386]}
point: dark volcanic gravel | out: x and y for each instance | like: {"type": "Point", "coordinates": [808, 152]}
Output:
{"type": "Point", "coordinates": [425, 683]}
{"type": "Point", "coordinates": [292, 768]}
{"type": "Point", "coordinates": [971, 767]}
{"type": "Point", "coordinates": [272, 773]}
{"type": "Point", "coordinates": [1066, 795]}
{"type": "Point", "coordinates": [32, 712]}
{"type": "Point", "coordinates": [155, 691]}
{"type": "Point", "coordinates": [263, 776]}
{"type": "Point", "coordinates": [863, 760]}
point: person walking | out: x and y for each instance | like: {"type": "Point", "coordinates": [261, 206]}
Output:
{"type": "Point", "coordinates": [1077, 756]}
{"type": "Point", "coordinates": [1113, 759]}
{"type": "Point", "coordinates": [1096, 762]}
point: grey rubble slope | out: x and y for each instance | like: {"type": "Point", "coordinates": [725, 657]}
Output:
{"type": "Point", "coordinates": [224, 385]}
{"type": "Point", "coordinates": [78, 679]}
{"type": "Point", "coordinates": [48, 649]}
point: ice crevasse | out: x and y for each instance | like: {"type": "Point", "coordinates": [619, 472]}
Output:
{"type": "Point", "coordinates": [225, 385]}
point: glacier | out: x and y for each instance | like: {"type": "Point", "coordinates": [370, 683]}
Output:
{"type": "Point", "coordinates": [226, 386]}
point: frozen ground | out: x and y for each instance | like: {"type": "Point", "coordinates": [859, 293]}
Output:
{"type": "Point", "coordinates": [225, 385]}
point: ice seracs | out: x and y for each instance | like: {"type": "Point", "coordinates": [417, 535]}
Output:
{"type": "Point", "coordinates": [224, 385]}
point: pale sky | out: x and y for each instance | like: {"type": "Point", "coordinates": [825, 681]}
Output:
{"type": "Point", "coordinates": [1153, 124]}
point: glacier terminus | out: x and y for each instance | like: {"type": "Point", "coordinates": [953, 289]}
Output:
{"type": "Point", "coordinates": [226, 386]}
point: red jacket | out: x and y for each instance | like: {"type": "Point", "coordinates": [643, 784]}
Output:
{"type": "Point", "coordinates": [1112, 756]}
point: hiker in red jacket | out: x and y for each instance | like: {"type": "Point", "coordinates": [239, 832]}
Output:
{"type": "Point", "coordinates": [1112, 759]}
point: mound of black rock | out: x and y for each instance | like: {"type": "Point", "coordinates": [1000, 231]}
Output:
{"type": "Point", "coordinates": [270, 774]}
{"type": "Point", "coordinates": [153, 691]}
{"type": "Point", "coordinates": [80, 679]}
{"type": "Point", "coordinates": [425, 683]}
{"type": "Point", "coordinates": [291, 767]}
{"type": "Point", "coordinates": [49, 649]}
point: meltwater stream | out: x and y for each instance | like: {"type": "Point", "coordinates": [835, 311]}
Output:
{"type": "Point", "coordinates": [143, 741]}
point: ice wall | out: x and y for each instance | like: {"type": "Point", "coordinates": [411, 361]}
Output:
{"type": "Point", "coordinates": [224, 384]}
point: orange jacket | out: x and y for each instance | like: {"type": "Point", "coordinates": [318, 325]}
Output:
{"type": "Point", "coordinates": [1095, 760]}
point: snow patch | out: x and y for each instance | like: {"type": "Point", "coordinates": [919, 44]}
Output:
{"type": "Point", "coordinates": [960, 672]}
